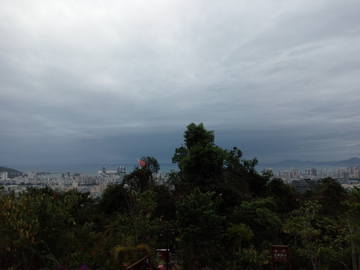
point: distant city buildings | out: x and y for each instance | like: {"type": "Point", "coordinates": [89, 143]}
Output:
{"type": "Point", "coordinates": [349, 176]}
{"type": "Point", "coordinates": [303, 185]}
{"type": "Point", "coordinates": [342, 174]}
{"type": "Point", "coordinates": [95, 184]}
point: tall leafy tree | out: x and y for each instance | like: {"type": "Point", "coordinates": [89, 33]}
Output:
{"type": "Point", "coordinates": [200, 230]}
{"type": "Point", "coordinates": [329, 193]}
{"type": "Point", "coordinates": [33, 227]}
{"type": "Point", "coordinates": [239, 233]}
{"type": "Point", "coordinates": [260, 216]}
{"type": "Point", "coordinates": [113, 199]}
{"type": "Point", "coordinates": [317, 237]}
{"type": "Point", "coordinates": [151, 164]}
{"type": "Point", "coordinates": [284, 195]}
{"type": "Point", "coordinates": [198, 135]}
{"type": "Point", "coordinates": [199, 160]}
{"type": "Point", "coordinates": [203, 166]}
{"type": "Point", "coordinates": [142, 179]}
{"type": "Point", "coordinates": [351, 224]}
{"type": "Point", "coordinates": [207, 166]}
{"type": "Point", "coordinates": [137, 220]}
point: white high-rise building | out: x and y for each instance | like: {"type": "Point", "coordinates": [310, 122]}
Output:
{"type": "Point", "coordinates": [4, 176]}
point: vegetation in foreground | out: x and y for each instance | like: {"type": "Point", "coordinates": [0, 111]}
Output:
{"type": "Point", "coordinates": [223, 213]}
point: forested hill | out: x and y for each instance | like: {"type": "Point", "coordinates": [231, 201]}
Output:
{"type": "Point", "coordinates": [11, 172]}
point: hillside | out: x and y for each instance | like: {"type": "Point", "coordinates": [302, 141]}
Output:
{"type": "Point", "coordinates": [11, 172]}
{"type": "Point", "coordinates": [349, 162]}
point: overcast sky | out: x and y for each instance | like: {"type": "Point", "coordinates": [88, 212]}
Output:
{"type": "Point", "coordinates": [90, 81]}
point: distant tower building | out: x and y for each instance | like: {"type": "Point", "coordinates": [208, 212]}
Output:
{"type": "Point", "coordinates": [121, 169]}
{"type": "Point", "coordinates": [4, 176]}
{"type": "Point", "coordinates": [346, 177]}
{"type": "Point", "coordinates": [75, 183]}
{"type": "Point", "coordinates": [104, 169]}
{"type": "Point", "coordinates": [65, 174]}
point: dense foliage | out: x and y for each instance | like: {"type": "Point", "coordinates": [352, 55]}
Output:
{"type": "Point", "coordinates": [223, 213]}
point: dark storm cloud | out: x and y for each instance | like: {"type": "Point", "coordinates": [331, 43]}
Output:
{"type": "Point", "coordinates": [89, 81]}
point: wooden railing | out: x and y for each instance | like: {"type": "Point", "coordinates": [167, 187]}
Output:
{"type": "Point", "coordinates": [142, 264]}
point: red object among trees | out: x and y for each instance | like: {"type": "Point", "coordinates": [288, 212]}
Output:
{"type": "Point", "coordinates": [141, 162]}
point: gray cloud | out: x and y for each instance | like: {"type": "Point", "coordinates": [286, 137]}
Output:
{"type": "Point", "coordinates": [89, 81]}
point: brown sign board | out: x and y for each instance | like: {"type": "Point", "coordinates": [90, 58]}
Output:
{"type": "Point", "coordinates": [280, 253]}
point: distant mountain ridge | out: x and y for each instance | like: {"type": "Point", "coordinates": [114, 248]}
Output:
{"type": "Point", "coordinates": [11, 172]}
{"type": "Point", "coordinates": [6, 169]}
{"type": "Point", "coordinates": [293, 161]}
{"type": "Point", "coordinates": [348, 162]}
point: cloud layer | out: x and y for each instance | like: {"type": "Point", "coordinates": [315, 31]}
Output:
{"type": "Point", "coordinates": [94, 81]}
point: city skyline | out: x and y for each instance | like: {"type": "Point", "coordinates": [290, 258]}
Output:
{"type": "Point", "coordinates": [106, 83]}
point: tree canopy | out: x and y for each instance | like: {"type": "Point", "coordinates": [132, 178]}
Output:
{"type": "Point", "coordinates": [223, 213]}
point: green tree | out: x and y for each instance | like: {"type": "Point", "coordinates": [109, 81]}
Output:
{"type": "Point", "coordinates": [113, 199]}
{"type": "Point", "coordinates": [351, 224]}
{"type": "Point", "coordinates": [330, 194]}
{"type": "Point", "coordinates": [202, 167]}
{"type": "Point", "coordinates": [238, 233]}
{"type": "Point", "coordinates": [285, 196]}
{"type": "Point", "coordinates": [142, 179]}
{"type": "Point", "coordinates": [207, 166]}
{"type": "Point", "coordinates": [139, 180]}
{"type": "Point", "coordinates": [33, 226]}
{"type": "Point", "coordinates": [198, 135]}
{"type": "Point", "coordinates": [254, 259]}
{"type": "Point", "coordinates": [200, 230]}
{"type": "Point", "coordinates": [151, 164]}
{"type": "Point", "coordinates": [240, 173]}
{"type": "Point", "coordinates": [137, 220]}
{"type": "Point", "coordinates": [316, 237]}
{"type": "Point", "coordinates": [199, 160]}
{"type": "Point", "coordinates": [165, 201]}
{"type": "Point", "coordinates": [260, 216]}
